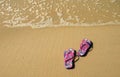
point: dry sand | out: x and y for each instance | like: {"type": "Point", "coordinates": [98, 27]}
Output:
{"type": "Point", "coordinates": [26, 52]}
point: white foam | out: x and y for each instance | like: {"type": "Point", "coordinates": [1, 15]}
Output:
{"type": "Point", "coordinates": [48, 23]}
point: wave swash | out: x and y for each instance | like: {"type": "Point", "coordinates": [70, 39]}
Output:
{"type": "Point", "coordinates": [48, 13]}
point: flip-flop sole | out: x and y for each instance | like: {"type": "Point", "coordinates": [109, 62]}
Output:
{"type": "Point", "coordinates": [84, 47]}
{"type": "Point", "coordinates": [69, 58]}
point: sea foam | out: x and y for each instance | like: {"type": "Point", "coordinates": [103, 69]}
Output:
{"type": "Point", "coordinates": [55, 13]}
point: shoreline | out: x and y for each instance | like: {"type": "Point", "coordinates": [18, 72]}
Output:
{"type": "Point", "coordinates": [59, 26]}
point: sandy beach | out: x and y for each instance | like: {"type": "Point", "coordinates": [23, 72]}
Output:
{"type": "Point", "coordinates": [38, 52]}
{"type": "Point", "coordinates": [27, 52]}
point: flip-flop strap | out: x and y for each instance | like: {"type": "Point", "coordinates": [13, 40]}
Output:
{"type": "Point", "coordinates": [69, 59]}
{"type": "Point", "coordinates": [85, 44]}
{"type": "Point", "coordinates": [82, 46]}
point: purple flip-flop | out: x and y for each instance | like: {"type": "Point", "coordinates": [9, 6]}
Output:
{"type": "Point", "coordinates": [69, 56]}
{"type": "Point", "coordinates": [84, 47]}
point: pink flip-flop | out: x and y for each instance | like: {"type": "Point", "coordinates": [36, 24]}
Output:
{"type": "Point", "coordinates": [69, 56]}
{"type": "Point", "coordinates": [84, 47]}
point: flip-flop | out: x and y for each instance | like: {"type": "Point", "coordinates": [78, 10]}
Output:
{"type": "Point", "coordinates": [84, 47]}
{"type": "Point", "coordinates": [69, 56]}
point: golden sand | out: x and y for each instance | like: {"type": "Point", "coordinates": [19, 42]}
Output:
{"type": "Point", "coordinates": [26, 52]}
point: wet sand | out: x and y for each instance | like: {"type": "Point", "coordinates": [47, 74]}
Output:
{"type": "Point", "coordinates": [41, 13]}
{"type": "Point", "coordinates": [26, 52]}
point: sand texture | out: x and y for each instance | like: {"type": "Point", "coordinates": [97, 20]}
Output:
{"type": "Point", "coordinates": [27, 52]}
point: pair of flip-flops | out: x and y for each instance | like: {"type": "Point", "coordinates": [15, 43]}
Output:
{"type": "Point", "coordinates": [70, 54]}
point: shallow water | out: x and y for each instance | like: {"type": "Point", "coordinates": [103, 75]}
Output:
{"type": "Point", "coordinates": [42, 13]}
